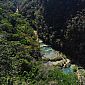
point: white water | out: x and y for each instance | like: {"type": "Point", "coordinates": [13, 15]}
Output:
{"type": "Point", "coordinates": [46, 50]}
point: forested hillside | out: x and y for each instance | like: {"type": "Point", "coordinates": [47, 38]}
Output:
{"type": "Point", "coordinates": [59, 23]}
{"type": "Point", "coordinates": [18, 45]}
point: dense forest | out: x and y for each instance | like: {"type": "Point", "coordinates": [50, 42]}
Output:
{"type": "Point", "coordinates": [59, 23]}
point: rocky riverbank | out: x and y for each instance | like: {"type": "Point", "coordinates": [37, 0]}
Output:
{"type": "Point", "coordinates": [52, 57]}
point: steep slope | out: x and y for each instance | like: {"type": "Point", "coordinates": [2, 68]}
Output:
{"type": "Point", "coordinates": [66, 27]}
{"type": "Point", "coordinates": [51, 19]}
{"type": "Point", "coordinates": [18, 45]}
{"type": "Point", "coordinates": [19, 49]}
{"type": "Point", "coordinates": [56, 13]}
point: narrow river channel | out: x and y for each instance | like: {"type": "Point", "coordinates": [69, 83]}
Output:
{"type": "Point", "coordinates": [48, 53]}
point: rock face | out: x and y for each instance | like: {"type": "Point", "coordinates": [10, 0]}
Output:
{"type": "Point", "coordinates": [58, 11]}
{"type": "Point", "coordinates": [53, 20]}
{"type": "Point", "coordinates": [61, 17]}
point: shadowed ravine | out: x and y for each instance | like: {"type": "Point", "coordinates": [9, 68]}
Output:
{"type": "Point", "coordinates": [53, 57]}
{"type": "Point", "coordinates": [56, 58]}
{"type": "Point", "coordinates": [35, 37]}
{"type": "Point", "coordinates": [59, 17]}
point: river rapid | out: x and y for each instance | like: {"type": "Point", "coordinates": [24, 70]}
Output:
{"type": "Point", "coordinates": [56, 58]}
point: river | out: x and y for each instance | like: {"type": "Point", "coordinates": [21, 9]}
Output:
{"type": "Point", "coordinates": [49, 53]}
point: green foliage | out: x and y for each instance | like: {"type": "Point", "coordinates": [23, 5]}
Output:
{"type": "Point", "coordinates": [54, 76]}
{"type": "Point", "coordinates": [1, 10]}
{"type": "Point", "coordinates": [19, 51]}
{"type": "Point", "coordinates": [17, 41]}
{"type": "Point", "coordinates": [6, 26]}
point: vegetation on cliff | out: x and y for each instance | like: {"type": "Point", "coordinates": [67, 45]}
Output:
{"type": "Point", "coordinates": [60, 24]}
{"type": "Point", "coordinates": [19, 49]}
